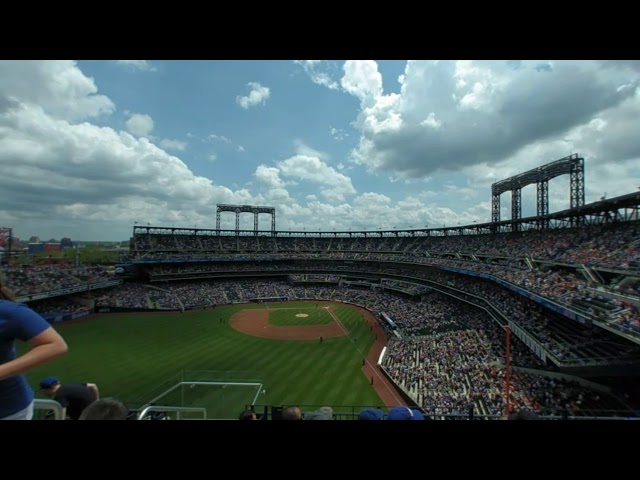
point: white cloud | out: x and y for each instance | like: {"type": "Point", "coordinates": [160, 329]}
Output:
{"type": "Point", "coordinates": [431, 121]}
{"type": "Point", "coordinates": [302, 148]}
{"type": "Point", "coordinates": [89, 178]}
{"type": "Point", "coordinates": [142, 65]}
{"type": "Point", "coordinates": [338, 133]}
{"type": "Point", "coordinates": [140, 124]}
{"type": "Point", "coordinates": [78, 179]}
{"type": "Point", "coordinates": [258, 95]}
{"type": "Point", "coordinates": [168, 144]}
{"type": "Point", "coordinates": [270, 176]}
{"type": "Point", "coordinates": [362, 79]}
{"type": "Point", "coordinates": [312, 169]}
{"type": "Point", "coordinates": [450, 115]}
{"type": "Point", "coordinates": [240, 148]}
{"type": "Point", "coordinates": [56, 86]}
{"type": "Point", "coordinates": [219, 138]}
{"type": "Point", "coordinates": [317, 72]}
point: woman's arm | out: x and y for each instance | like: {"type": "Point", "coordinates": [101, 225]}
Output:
{"type": "Point", "coordinates": [44, 347]}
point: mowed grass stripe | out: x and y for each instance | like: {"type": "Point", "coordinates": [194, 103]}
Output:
{"type": "Point", "coordinates": [133, 356]}
{"type": "Point", "coordinates": [296, 374]}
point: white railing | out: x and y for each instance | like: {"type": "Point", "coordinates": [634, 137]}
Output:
{"type": "Point", "coordinates": [156, 408]}
{"type": "Point", "coordinates": [49, 405]}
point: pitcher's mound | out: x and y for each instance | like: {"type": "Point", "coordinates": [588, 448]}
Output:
{"type": "Point", "coordinates": [256, 323]}
{"type": "Point", "coordinates": [301, 315]}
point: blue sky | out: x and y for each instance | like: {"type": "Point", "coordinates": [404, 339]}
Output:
{"type": "Point", "coordinates": [94, 146]}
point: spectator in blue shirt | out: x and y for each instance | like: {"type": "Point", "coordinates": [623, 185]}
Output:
{"type": "Point", "coordinates": [19, 322]}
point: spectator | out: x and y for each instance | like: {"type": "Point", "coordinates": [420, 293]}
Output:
{"type": "Point", "coordinates": [404, 413]}
{"type": "Point", "coordinates": [74, 397]}
{"type": "Point", "coordinates": [323, 413]}
{"type": "Point", "coordinates": [105, 409]}
{"type": "Point", "coordinates": [19, 322]}
{"type": "Point", "coordinates": [371, 414]}
{"type": "Point", "coordinates": [248, 415]}
{"type": "Point", "coordinates": [292, 413]}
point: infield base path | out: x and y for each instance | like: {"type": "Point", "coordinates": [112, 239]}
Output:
{"type": "Point", "coordinates": [256, 323]}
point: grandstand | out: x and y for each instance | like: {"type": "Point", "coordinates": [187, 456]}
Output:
{"type": "Point", "coordinates": [567, 284]}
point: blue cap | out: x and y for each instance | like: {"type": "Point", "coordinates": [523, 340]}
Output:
{"type": "Point", "coordinates": [48, 382]}
{"type": "Point", "coordinates": [370, 414]}
{"type": "Point", "coordinates": [404, 413]}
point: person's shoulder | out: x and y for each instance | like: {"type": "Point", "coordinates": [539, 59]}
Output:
{"type": "Point", "coordinates": [7, 305]}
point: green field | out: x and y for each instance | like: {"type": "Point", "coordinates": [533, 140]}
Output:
{"type": "Point", "coordinates": [137, 357]}
{"type": "Point", "coordinates": [283, 317]}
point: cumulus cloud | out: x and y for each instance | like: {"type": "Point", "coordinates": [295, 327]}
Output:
{"type": "Point", "coordinates": [58, 87]}
{"type": "Point", "coordinates": [258, 95]}
{"type": "Point", "coordinates": [337, 186]}
{"type": "Point", "coordinates": [456, 114]}
{"type": "Point", "coordinates": [140, 125]}
{"type": "Point", "coordinates": [270, 176]}
{"type": "Point", "coordinates": [67, 176]}
{"type": "Point", "coordinates": [82, 179]}
{"type": "Point", "coordinates": [319, 71]}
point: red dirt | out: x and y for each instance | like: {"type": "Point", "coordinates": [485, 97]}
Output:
{"type": "Point", "coordinates": [256, 323]}
{"type": "Point", "coordinates": [381, 384]}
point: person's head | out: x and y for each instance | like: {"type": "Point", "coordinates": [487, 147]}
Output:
{"type": "Point", "coordinates": [248, 415]}
{"type": "Point", "coordinates": [371, 414]}
{"type": "Point", "coordinates": [5, 293]}
{"type": "Point", "coordinates": [404, 413]}
{"type": "Point", "coordinates": [105, 409]}
{"type": "Point", "coordinates": [291, 413]}
{"type": "Point", "coordinates": [49, 386]}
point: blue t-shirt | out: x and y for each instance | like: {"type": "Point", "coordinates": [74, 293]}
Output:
{"type": "Point", "coordinates": [17, 322]}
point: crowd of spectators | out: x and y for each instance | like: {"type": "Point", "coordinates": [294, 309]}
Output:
{"type": "Point", "coordinates": [612, 246]}
{"type": "Point", "coordinates": [29, 280]}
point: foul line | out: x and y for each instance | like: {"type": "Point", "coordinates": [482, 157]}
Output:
{"type": "Point", "coordinates": [375, 370]}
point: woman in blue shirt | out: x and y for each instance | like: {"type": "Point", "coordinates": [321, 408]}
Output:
{"type": "Point", "coordinates": [19, 322]}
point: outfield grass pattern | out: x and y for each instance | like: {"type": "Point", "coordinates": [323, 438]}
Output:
{"type": "Point", "coordinates": [130, 356]}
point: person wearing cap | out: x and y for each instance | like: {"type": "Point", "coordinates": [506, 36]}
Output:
{"type": "Point", "coordinates": [19, 322]}
{"type": "Point", "coordinates": [74, 397]}
{"type": "Point", "coordinates": [404, 413]}
{"type": "Point", "coordinates": [371, 414]}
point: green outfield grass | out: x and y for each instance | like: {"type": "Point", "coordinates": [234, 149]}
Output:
{"type": "Point", "coordinates": [135, 357]}
{"type": "Point", "coordinates": [283, 317]}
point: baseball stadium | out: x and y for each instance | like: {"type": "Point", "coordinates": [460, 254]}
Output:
{"type": "Point", "coordinates": [465, 322]}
